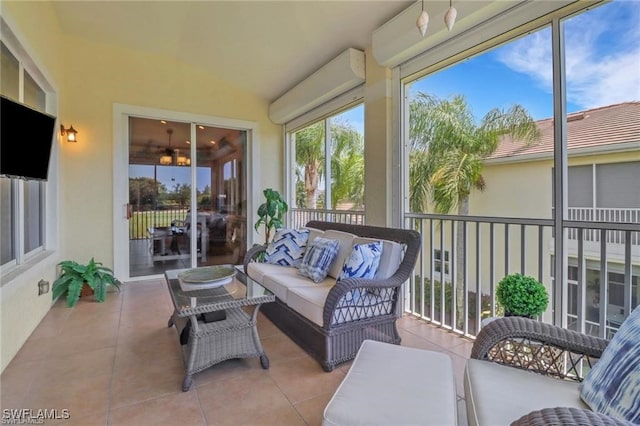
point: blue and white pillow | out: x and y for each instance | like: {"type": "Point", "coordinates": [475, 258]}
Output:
{"type": "Point", "coordinates": [288, 247]}
{"type": "Point", "coordinates": [362, 262]}
{"type": "Point", "coordinates": [318, 258]}
{"type": "Point", "coordinates": [612, 386]}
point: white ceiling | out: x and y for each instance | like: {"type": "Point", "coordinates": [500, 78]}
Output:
{"type": "Point", "coordinates": [264, 47]}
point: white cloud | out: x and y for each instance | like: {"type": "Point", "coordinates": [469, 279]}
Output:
{"type": "Point", "coordinates": [602, 60]}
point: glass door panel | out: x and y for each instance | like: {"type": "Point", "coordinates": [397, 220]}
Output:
{"type": "Point", "coordinates": [163, 184]}
{"type": "Point", "coordinates": [221, 194]}
{"type": "Point", "coordinates": [159, 196]}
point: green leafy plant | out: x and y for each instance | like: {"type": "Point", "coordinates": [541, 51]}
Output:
{"type": "Point", "coordinates": [522, 295]}
{"type": "Point", "coordinates": [271, 213]}
{"type": "Point", "coordinates": [74, 275]}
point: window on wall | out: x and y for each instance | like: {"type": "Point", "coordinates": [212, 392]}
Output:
{"type": "Point", "coordinates": [438, 261]}
{"type": "Point", "coordinates": [328, 170]}
{"type": "Point", "coordinates": [615, 291]}
{"type": "Point", "coordinates": [607, 188]}
{"type": "Point", "coordinates": [22, 202]}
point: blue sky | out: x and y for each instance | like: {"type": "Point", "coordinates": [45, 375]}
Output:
{"type": "Point", "coordinates": [602, 62]}
{"type": "Point", "coordinates": [172, 175]}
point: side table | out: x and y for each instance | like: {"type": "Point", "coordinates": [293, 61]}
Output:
{"type": "Point", "coordinates": [236, 336]}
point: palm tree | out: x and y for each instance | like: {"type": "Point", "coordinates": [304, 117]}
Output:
{"type": "Point", "coordinates": [347, 165]}
{"type": "Point", "coordinates": [448, 149]}
{"type": "Point", "coordinates": [310, 156]}
{"type": "Point", "coordinates": [347, 162]}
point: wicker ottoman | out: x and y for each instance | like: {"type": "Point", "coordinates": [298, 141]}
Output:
{"type": "Point", "coordinates": [395, 385]}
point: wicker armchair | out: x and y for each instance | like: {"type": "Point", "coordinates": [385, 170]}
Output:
{"type": "Point", "coordinates": [544, 349]}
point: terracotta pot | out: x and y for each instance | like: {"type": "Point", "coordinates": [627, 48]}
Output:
{"type": "Point", "coordinates": [86, 290]}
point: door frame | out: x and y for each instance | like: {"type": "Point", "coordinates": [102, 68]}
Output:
{"type": "Point", "coordinates": [121, 114]}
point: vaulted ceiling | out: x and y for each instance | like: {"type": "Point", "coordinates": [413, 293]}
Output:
{"type": "Point", "coordinates": [264, 47]}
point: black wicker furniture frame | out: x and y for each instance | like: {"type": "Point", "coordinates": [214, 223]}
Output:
{"type": "Point", "coordinates": [345, 326]}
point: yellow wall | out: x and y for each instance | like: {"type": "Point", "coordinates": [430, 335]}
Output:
{"type": "Point", "coordinates": [377, 131]}
{"type": "Point", "coordinates": [102, 75]}
{"type": "Point", "coordinates": [89, 79]}
{"type": "Point", "coordinates": [514, 190]}
{"type": "Point", "coordinates": [21, 309]}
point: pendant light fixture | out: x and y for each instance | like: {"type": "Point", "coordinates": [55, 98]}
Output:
{"type": "Point", "coordinates": [450, 16]}
{"type": "Point", "coordinates": [167, 158]}
{"type": "Point", "coordinates": [423, 21]}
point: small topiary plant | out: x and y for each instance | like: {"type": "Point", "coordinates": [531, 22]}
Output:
{"type": "Point", "coordinates": [522, 295]}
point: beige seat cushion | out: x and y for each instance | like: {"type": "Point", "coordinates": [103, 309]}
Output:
{"type": "Point", "coordinates": [280, 284]}
{"type": "Point", "coordinates": [308, 301]}
{"type": "Point", "coordinates": [395, 385]}
{"type": "Point", "coordinates": [313, 233]}
{"type": "Point", "coordinates": [496, 394]}
{"type": "Point", "coordinates": [346, 244]}
{"type": "Point", "coordinates": [257, 270]}
{"type": "Point", "coordinates": [274, 277]}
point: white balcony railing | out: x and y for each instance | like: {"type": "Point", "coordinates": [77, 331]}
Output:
{"type": "Point", "coordinates": [300, 217]}
{"type": "Point", "coordinates": [611, 215]}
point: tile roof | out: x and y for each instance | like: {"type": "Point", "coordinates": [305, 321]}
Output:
{"type": "Point", "coordinates": [608, 125]}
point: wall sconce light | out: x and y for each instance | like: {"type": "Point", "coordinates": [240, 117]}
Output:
{"type": "Point", "coordinates": [43, 287]}
{"type": "Point", "coordinates": [70, 133]}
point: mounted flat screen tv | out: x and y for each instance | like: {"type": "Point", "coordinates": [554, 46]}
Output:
{"type": "Point", "coordinates": [26, 138]}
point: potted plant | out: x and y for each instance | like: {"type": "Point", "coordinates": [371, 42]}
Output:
{"type": "Point", "coordinates": [74, 276]}
{"type": "Point", "coordinates": [522, 295]}
{"type": "Point", "coordinates": [271, 213]}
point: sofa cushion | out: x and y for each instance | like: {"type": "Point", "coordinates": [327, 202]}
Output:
{"type": "Point", "coordinates": [392, 254]}
{"type": "Point", "coordinates": [318, 258]}
{"type": "Point", "coordinates": [612, 386]}
{"type": "Point", "coordinates": [288, 247]}
{"type": "Point", "coordinates": [279, 284]}
{"type": "Point", "coordinates": [309, 301]}
{"type": "Point", "coordinates": [497, 394]}
{"type": "Point", "coordinates": [346, 242]}
{"type": "Point", "coordinates": [313, 233]}
{"type": "Point", "coordinates": [257, 271]}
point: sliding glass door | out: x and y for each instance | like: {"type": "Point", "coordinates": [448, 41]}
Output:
{"type": "Point", "coordinates": [186, 195]}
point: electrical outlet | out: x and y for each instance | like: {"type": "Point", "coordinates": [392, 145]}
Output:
{"type": "Point", "coordinates": [43, 287]}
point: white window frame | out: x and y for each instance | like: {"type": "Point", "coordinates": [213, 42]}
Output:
{"type": "Point", "coordinates": [326, 111]}
{"type": "Point", "coordinates": [22, 260]}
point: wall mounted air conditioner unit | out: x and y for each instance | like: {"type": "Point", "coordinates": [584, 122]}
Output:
{"type": "Point", "coordinates": [342, 73]}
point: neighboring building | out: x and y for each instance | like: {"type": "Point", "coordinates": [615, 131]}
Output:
{"type": "Point", "coordinates": [603, 186]}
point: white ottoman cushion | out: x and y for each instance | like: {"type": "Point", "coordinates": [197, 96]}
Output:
{"type": "Point", "coordinates": [395, 385]}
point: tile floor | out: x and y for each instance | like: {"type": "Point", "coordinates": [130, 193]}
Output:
{"type": "Point", "coordinates": [117, 363]}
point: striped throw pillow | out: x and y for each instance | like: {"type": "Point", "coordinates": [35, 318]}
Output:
{"type": "Point", "coordinates": [612, 387]}
{"type": "Point", "coordinates": [318, 258]}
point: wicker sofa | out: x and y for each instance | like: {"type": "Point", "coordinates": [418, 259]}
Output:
{"type": "Point", "coordinates": [498, 393]}
{"type": "Point", "coordinates": [322, 318]}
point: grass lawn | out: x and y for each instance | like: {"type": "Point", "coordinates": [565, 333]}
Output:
{"type": "Point", "coordinates": [140, 221]}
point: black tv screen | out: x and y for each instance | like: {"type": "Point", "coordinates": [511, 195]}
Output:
{"type": "Point", "coordinates": [26, 137]}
